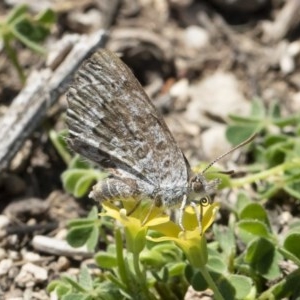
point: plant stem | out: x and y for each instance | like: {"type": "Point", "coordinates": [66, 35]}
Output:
{"type": "Point", "coordinates": [141, 275]}
{"type": "Point", "coordinates": [136, 264]}
{"type": "Point", "coordinates": [236, 183]}
{"type": "Point", "coordinates": [211, 283]}
{"type": "Point", "coordinates": [120, 258]}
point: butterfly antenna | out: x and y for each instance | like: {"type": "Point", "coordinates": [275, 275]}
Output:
{"type": "Point", "coordinates": [247, 141]}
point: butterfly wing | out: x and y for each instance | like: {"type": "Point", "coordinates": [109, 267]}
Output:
{"type": "Point", "coordinates": [113, 123]}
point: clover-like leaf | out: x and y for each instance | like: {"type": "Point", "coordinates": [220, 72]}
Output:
{"type": "Point", "coordinates": [254, 211]}
{"type": "Point", "coordinates": [106, 260]}
{"type": "Point", "coordinates": [251, 229]}
{"type": "Point", "coordinates": [263, 257]}
{"type": "Point", "coordinates": [292, 245]}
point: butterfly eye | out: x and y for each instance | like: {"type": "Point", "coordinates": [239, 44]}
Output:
{"type": "Point", "coordinates": [197, 187]}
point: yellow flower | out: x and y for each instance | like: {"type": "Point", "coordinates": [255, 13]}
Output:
{"type": "Point", "coordinates": [135, 224]}
{"type": "Point", "coordinates": [191, 242]}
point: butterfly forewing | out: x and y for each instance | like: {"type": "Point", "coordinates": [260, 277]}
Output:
{"type": "Point", "coordinates": [113, 123]}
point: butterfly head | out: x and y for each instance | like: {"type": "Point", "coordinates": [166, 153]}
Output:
{"type": "Point", "coordinates": [203, 187]}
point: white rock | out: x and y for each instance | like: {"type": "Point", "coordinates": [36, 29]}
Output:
{"type": "Point", "coordinates": [63, 263]}
{"type": "Point", "coordinates": [180, 93]}
{"type": "Point", "coordinates": [180, 88]}
{"type": "Point", "coordinates": [5, 265]}
{"type": "Point", "coordinates": [30, 256]}
{"type": "Point", "coordinates": [196, 37]}
{"type": "Point", "coordinates": [287, 64]}
{"type": "Point", "coordinates": [14, 255]}
{"type": "Point", "coordinates": [3, 254]}
{"type": "Point", "coordinates": [218, 95]}
{"type": "Point", "coordinates": [85, 21]}
{"type": "Point", "coordinates": [295, 102]}
{"type": "Point", "coordinates": [294, 48]}
{"type": "Point", "coordinates": [214, 142]}
{"type": "Point", "coordinates": [4, 221]}
{"type": "Point", "coordinates": [31, 273]}
{"type": "Point", "coordinates": [53, 295]}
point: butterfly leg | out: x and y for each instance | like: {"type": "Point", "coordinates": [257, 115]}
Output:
{"type": "Point", "coordinates": [181, 211]}
{"type": "Point", "coordinates": [148, 213]}
{"type": "Point", "coordinates": [199, 215]}
{"type": "Point", "coordinates": [136, 205]}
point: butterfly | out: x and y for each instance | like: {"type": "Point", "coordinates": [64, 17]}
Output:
{"type": "Point", "coordinates": [113, 122]}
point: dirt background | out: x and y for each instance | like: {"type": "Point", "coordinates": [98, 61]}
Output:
{"type": "Point", "coordinates": [198, 61]}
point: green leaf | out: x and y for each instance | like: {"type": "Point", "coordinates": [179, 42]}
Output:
{"type": "Point", "coordinates": [292, 245]}
{"type": "Point", "coordinates": [274, 110]}
{"type": "Point", "coordinates": [276, 152]}
{"type": "Point", "coordinates": [292, 120]}
{"type": "Point", "coordinates": [198, 282]}
{"type": "Point", "coordinates": [61, 288]}
{"type": "Point", "coordinates": [73, 283]}
{"type": "Point", "coordinates": [78, 236]}
{"type": "Point", "coordinates": [16, 13]}
{"type": "Point", "coordinates": [85, 279]}
{"type": "Point", "coordinates": [78, 162]}
{"type": "Point", "coordinates": [31, 31]}
{"type": "Point", "coordinates": [93, 239]}
{"type": "Point", "coordinates": [152, 259]}
{"type": "Point", "coordinates": [93, 214]}
{"type": "Point", "coordinates": [292, 187]}
{"type": "Point", "coordinates": [189, 273]}
{"type": "Point", "coordinates": [79, 181]}
{"type": "Point", "coordinates": [275, 139]}
{"type": "Point", "coordinates": [106, 260]}
{"type": "Point", "coordinates": [243, 286]}
{"type": "Point", "coordinates": [287, 288]}
{"type": "Point", "coordinates": [254, 211]}
{"type": "Point", "coordinates": [239, 133]}
{"type": "Point", "coordinates": [59, 142]}
{"type": "Point", "coordinates": [75, 296]}
{"type": "Point", "coordinates": [46, 17]}
{"type": "Point", "coordinates": [242, 201]}
{"type": "Point", "coordinates": [81, 222]}
{"type": "Point", "coordinates": [249, 229]}
{"type": "Point", "coordinates": [168, 249]}
{"type": "Point", "coordinates": [244, 120]}
{"type": "Point", "coordinates": [264, 258]}
{"type": "Point", "coordinates": [83, 185]}
{"type": "Point", "coordinates": [20, 33]}
{"type": "Point", "coordinates": [70, 179]}
{"type": "Point", "coordinates": [217, 265]}
{"type": "Point", "coordinates": [176, 269]}
{"type": "Point", "coordinates": [289, 255]}
{"type": "Point", "coordinates": [165, 275]}
{"type": "Point", "coordinates": [225, 238]}
{"type": "Point", "coordinates": [225, 287]}
{"type": "Point", "coordinates": [258, 109]}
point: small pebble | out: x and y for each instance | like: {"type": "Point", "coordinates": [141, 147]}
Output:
{"type": "Point", "coordinates": [30, 256]}
{"type": "Point", "coordinates": [4, 221]}
{"type": "Point", "coordinates": [30, 274]}
{"type": "Point", "coordinates": [5, 265]}
{"type": "Point", "coordinates": [196, 37]}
